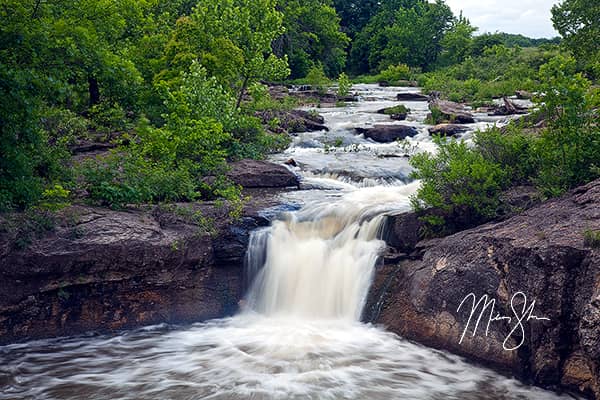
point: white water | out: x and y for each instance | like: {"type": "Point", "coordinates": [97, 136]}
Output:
{"type": "Point", "coordinates": [319, 261]}
{"type": "Point", "coordinates": [299, 336]}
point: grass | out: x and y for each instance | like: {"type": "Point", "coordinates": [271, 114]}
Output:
{"type": "Point", "coordinates": [591, 239]}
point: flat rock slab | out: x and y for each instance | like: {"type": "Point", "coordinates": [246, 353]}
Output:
{"type": "Point", "coordinates": [388, 133]}
{"type": "Point", "coordinates": [409, 96]}
{"type": "Point", "coordinates": [261, 174]}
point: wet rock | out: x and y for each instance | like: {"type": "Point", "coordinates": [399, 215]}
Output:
{"type": "Point", "coordinates": [447, 129]}
{"type": "Point", "coordinates": [508, 108]}
{"type": "Point", "coordinates": [451, 112]}
{"type": "Point", "coordinates": [261, 174]}
{"type": "Point", "coordinates": [397, 113]}
{"type": "Point", "coordinates": [540, 253]}
{"type": "Point", "coordinates": [387, 133]}
{"type": "Point", "coordinates": [410, 96]}
{"type": "Point", "coordinates": [294, 121]}
{"type": "Point", "coordinates": [103, 270]}
{"type": "Point", "coordinates": [291, 162]}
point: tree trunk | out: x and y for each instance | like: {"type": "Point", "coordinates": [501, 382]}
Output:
{"type": "Point", "coordinates": [242, 91]}
{"type": "Point", "coordinates": [94, 90]}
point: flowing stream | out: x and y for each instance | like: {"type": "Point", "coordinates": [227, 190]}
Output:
{"type": "Point", "coordinates": [299, 335]}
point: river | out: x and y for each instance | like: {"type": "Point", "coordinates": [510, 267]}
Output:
{"type": "Point", "coordinates": [299, 335]}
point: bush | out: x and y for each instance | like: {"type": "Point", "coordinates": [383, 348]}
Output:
{"type": "Point", "coordinates": [316, 77]}
{"type": "Point", "coordinates": [120, 179]}
{"type": "Point", "coordinates": [458, 181]}
{"type": "Point", "coordinates": [395, 73]}
{"type": "Point", "coordinates": [344, 85]}
{"type": "Point", "coordinates": [569, 148]}
{"type": "Point", "coordinates": [399, 109]}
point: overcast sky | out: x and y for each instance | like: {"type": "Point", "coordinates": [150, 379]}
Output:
{"type": "Point", "coordinates": [528, 17]}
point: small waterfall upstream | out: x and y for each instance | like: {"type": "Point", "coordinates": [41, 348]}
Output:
{"type": "Point", "coordinates": [298, 336]}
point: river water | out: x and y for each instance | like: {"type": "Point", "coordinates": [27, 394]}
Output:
{"type": "Point", "coordinates": [299, 335]}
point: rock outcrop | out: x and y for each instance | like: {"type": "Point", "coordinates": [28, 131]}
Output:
{"type": "Point", "coordinates": [541, 254]}
{"type": "Point", "coordinates": [451, 112]}
{"type": "Point", "coordinates": [261, 174]}
{"type": "Point", "coordinates": [96, 269]}
{"type": "Point", "coordinates": [447, 129]}
{"type": "Point", "coordinates": [294, 121]}
{"type": "Point", "coordinates": [387, 133]}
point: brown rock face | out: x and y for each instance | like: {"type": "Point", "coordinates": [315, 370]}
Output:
{"type": "Point", "coordinates": [387, 133]}
{"type": "Point", "coordinates": [539, 253]}
{"type": "Point", "coordinates": [106, 270]}
{"type": "Point", "coordinates": [261, 174]}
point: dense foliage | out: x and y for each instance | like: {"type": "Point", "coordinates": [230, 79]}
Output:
{"type": "Point", "coordinates": [312, 36]}
{"type": "Point", "coordinates": [172, 86]}
{"type": "Point", "coordinates": [401, 32]}
{"type": "Point", "coordinates": [499, 71]}
{"type": "Point", "coordinates": [165, 79]}
{"type": "Point", "coordinates": [466, 181]}
{"type": "Point", "coordinates": [578, 22]}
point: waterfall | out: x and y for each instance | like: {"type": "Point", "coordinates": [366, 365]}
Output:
{"type": "Point", "coordinates": [318, 263]}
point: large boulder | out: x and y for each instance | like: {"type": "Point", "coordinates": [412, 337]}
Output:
{"type": "Point", "coordinates": [261, 174]}
{"type": "Point", "coordinates": [294, 121]}
{"type": "Point", "coordinates": [447, 129]}
{"type": "Point", "coordinates": [388, 133]}
{"type": "Point", "coordinates": [100, 270]}
{"type": "Point", "coordinates": [397, 113]}
{"type": "Point", "coordinates": [547, 254]}
{"type": "Point", "coordinates": [451, 112]}
{"type": "Point", "coordinates": [411, 96]}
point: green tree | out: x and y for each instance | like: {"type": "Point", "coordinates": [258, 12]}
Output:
{"type": "Point", "coordinates": [570, 146]}
{"type": "Point", "coordinates": [402, 33]}
{"type": "Point", "coordinates": [312, 34]}
{"type": "Point", "coordinates": [232, 40]}
{"type": "Point", "coordinates": [355, 14]}
{"type": "Point", "coordinates": [457, 42]}
{"type": "Point", "coordinates": [578, 22]}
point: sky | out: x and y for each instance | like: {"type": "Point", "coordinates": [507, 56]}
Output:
{"type": "Point", "coordinates": [528, 17]}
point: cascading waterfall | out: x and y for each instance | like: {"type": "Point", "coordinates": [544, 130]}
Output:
{"type": "Point", "coordinates": [318, 263]}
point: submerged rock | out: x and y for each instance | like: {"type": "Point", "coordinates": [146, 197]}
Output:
{"type": "Point", "coordinates": [387, 133]}
{"type": "Point", "coordinates": [261, 174]}
{"type": "Point", "coordinates": [540, 254]}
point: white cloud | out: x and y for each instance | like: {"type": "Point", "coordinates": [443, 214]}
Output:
{"type": "Point", "coordinates": [528, 17]}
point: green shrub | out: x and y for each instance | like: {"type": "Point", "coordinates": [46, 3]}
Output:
{"type": "Point", "coordinates": [569, 148]}
{"type": "Point", "coordinates": [399, 109]}
{"type": "Point", "coordinates": [458, 181]}
{"type": "Point", "coordinates": [316, 77]}
{"type": "Point", "coordinates": [395, 73]}
{"type": "Point", "coordinates": [344, 85]}
{"type": "Point", "coordinates": [120, 179]}
{"type": "Point", "coordinates": [510, 148]}
{"type": "Point", "coordinates": [591, 238]}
